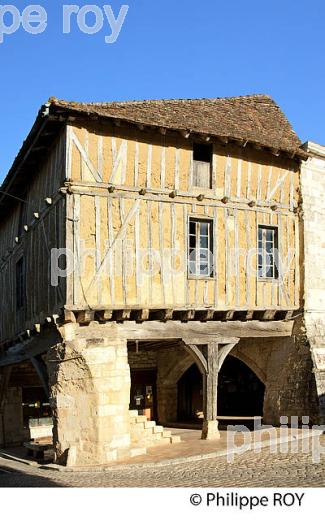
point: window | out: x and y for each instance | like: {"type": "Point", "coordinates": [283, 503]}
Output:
{"type": "Point", "coordinates": [20, 284]}
{"type": "Point", "coordinates": [200, 248]}
{"type": "Point", "coordinates": [267, 252]}
{"type": "Point", "coordinates": [202, 165]}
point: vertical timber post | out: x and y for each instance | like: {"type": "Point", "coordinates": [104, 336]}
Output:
{"type": "Point", "coordinates": [210, 390]}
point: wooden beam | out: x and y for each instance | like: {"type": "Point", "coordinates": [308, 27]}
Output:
{"type": "Point", "coordinates": [202, 332]}
{"type": "Point", "coordinates": [161, 314]}
{"type": "Point", "coordinates": [205, 315]}
{"type": "Point", "coordinates": [40, 367]}
{"type": "Point", "coordinates": [69, 317]}
{"type": "Point", "coordinates": [85, 317]}
{"type": "Point", "coordinates": [121, 315]}
{"type": "Point", "coordinates": [103, 316]}
{"type": "Point", "coordinates": [140, 315]}
{"type": "Point", "coordinates": [184, 316]}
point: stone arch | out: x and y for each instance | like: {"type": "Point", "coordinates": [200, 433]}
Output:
{"type": "Point", "coordinates": [171, 370]}
{"type": "Point", "coordinates": [251, 364]}
{"type": "Point", "coordinates": [241, 392]}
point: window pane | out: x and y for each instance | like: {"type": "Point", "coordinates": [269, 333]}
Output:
{"type": "Point", "coordinates": [192, 227]}
{"type": "Point", "coordinates": [202, 152]}
{"type": "Point", "coordinates": [269, 272]}
{"type": "Point", "coordinates": [204, 242]}
{"type": "Point", "coordinates": [269, 234]}
{"type": "Point", "coordinates": [204, 228]}
{"type": "Point", "coordinates": [192, 268]}
{"type": "Point", "coordinates": [204, 269]}
{"type": "Point", "coordinates": [267, 238]}
{"type": "Point", "coordinates": [192, 241]}
{"type": "Point", "coordinates": [269, 247]}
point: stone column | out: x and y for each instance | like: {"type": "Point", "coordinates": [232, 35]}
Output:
{"type": "Point", "coordinates": [210, 430]}
{"type": "Point", "coordinates": [89, 379]}
{"type": "Point", "coordinates": [12, 428]}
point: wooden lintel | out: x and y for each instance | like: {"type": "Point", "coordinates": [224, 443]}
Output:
{"type": "Point", "coordinates": [203, 332]}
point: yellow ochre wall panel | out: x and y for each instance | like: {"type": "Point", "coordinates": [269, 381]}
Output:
{"type": "Point", "coordinates": [132, 225]}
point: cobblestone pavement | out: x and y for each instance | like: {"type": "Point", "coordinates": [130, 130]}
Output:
{"type": "Point", "coordinates": [249, 470]}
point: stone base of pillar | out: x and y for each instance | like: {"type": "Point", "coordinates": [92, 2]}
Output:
{"type": "Point", "coordinates": [89, 379]}
{"type": "Point", "coordinates": [210, 431]}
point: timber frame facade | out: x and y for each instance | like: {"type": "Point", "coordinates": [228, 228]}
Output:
{"type": "Point", "coordinates": [128, 191]}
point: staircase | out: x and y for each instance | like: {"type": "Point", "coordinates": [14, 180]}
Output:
{"type": "Point", "coordinates": [146, 434]}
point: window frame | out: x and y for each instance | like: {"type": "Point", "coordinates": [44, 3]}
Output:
{"type": "Point", "coordinates": [276, 274]}
{"type": "Point", "coordinates": [195, 185]}
{"type": "Point", "coordinates": [211, 240]}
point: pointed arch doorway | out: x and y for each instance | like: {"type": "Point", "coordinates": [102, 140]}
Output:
{"type": "Point", "coordinates": [240, 393]}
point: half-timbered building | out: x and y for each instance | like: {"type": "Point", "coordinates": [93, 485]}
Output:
{"type": "Point", "coordinates": [152, 273]}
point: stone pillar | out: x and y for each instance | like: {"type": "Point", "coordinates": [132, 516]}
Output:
{"type": "Point", "coordinates": [210, 430]}
{"type": "Point", "coordinates": [12, 431]}
{"type": "Point", "coordinates": [89, 379]}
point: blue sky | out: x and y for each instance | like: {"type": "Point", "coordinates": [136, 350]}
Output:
{"type": "Point", "coordinates": [169, 49]}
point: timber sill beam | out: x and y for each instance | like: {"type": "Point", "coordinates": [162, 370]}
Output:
{"type": "Point", "coordinates": [84, 317]}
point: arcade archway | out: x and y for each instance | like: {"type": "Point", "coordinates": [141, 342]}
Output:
{"type": "Point", "coordinates": [240, 392]}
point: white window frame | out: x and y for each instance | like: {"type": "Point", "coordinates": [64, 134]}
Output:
{"type": "Point", "coordinates": [264, 266]}
{"type": "Point", "coordinates": [198, 250]}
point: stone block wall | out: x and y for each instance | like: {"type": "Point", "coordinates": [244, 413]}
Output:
{"type": "Point", "coordinates": [313, 224]}
{"type": "Point", "coordinates": [284, 366]}
{"type": "Point", "coordinates": [89, 379]}
{"type": "Point", "coordinates": [145, 359]}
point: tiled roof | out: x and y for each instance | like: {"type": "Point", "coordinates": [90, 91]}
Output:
{"type": "Point", "coordinates": [256, 118]}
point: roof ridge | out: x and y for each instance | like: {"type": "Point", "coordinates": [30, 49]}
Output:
{"type": "Point", "coordinates": [54, 100]}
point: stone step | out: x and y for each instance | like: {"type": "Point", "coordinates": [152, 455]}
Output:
{"type": "Point", "coordinates": [167, 434]}
{"type": "Point", "coordinates": [149, 424]}
{"type": "Point", "coordinates": [133, 413]}
{"type": "Point", "coordinates": [175, 439]}
{"type": "Point", "coordinates": [137, 426]}
{"type": "Point", "coordinates": [158, 429]}
{"type": "Point", "coordinates": [161, 442]}
{"type": "Point", "coordinates": [141, 419]}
